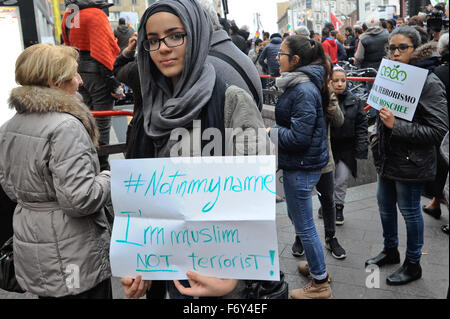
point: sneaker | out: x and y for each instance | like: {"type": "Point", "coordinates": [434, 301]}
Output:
{"type": "Point", "coordinates": [320, 213]}
{"type": "Point", "coordinates": [336, 250]}
{"type": "Point", "coordinates": [303, 269]}
{"type": "Point", "coordinates": [339, 214]}
{"type": "Point", "coordinates": [312, 291]}
{"type": "Point", "coordinates": [297, 248]}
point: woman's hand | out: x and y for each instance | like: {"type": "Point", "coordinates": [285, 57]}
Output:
{"type": "Point", "coordinates": [330, 86]}
{"type": "Point", "coordinates": [387, 117]}
{"type": "Point", "coordinates": [135, 288]}
{"type": "Point", "coordinates": [130, 50]}
{"type": "Point", "coordinates": [202, 286]}
{"type": "Point", "coordinates": [132, 42]}
{"type": "Point", "coordinates": [119, 94]}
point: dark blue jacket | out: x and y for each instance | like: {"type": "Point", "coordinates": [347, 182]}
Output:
{"type": "Point", "coordinates": [302, 131]}
{"type": "Point", "coordinates": [272, 67]}
{"type": "Point", "coordinates": [342, 54]}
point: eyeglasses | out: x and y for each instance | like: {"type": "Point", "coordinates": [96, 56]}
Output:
{"type": "Point", "coordinates": [282, 53]}
{"type": "Point", "coordinates": [401, 48]}
{"type": "Point", "coordinates": [171, 41]}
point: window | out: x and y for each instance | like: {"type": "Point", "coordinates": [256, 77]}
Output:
{"type": "Point", "coordinates": [133, 2]}
{"type": "Point", "coordinates": [117, 3]}
{"type": "Point", "coordinates": [114, 16]}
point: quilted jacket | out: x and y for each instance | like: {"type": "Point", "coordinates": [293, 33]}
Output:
{"type": "Point", "coordinates": [300, 121]}
{"type": "Point", "coordinates": [49, 166]}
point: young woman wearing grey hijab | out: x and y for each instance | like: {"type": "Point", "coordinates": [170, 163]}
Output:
{"type": "Point", "coordinates": [178, 88]}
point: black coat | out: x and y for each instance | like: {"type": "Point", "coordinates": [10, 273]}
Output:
{"type": "Point", "coordinates": [350, 141]}
{"type": "Point", "coordinates": [351, 42]}
{"type": "Point", "coordinates": [240, 42]}
{"type": "Point", "coordinates": [7, 207]}
{"type": "Point", "coordinates": [342, 54]}
{"type": "Point", "coordinates": [123, 33]}
{"type": "Point", "coordinates": [442, 73]}
{"type": "Point", "coordinates": [408, 152]}
{"type": "Point", "coordinates": [126, 71]}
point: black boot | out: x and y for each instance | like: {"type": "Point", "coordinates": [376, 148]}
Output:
{"type": "Point", "coordinates": [388, 256]}
{"type": "Point", "coordinates": [405, 274]}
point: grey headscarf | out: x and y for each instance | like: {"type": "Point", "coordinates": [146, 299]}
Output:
{"type": "Point", "coordinates": [164, 109]}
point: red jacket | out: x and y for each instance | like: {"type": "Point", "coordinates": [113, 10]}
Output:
{"type": "Point", "coordinates": [94, 34]}
{"type": "Point", "coordinates": [330, 48]}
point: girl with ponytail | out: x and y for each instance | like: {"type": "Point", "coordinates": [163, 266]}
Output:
{"type": "Point", "coordinates": [301, 134]}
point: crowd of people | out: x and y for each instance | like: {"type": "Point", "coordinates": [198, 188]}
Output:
{"type": "Point", "coordinates": [185, 63]}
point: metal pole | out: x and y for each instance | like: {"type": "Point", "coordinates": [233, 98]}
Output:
{"type": "Point", "coordinates": [357, 10]}
{"type": "Point", "coordinates": [56, 20]}
{"type": "Point", "coordinates": [225, 8]}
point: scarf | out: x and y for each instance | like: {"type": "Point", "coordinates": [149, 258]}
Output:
{"type": "Point", "coordinates": [94, 35]}
{"type": "Point", "coordinates": [166, 108]}
{"type": "Point", "coordinates": [289, 79]}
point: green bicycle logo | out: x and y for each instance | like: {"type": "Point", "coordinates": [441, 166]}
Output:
{"type": "Point", "coordinates": [394, 73]}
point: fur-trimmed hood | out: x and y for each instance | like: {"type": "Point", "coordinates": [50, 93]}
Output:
{"type": "Point", "coordinates": [36, 99]}
{"type": "Point", "coordinates": [425, 52]}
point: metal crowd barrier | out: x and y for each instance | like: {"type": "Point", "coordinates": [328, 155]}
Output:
{"type": "Point", "coordinates": [276, 94]}
{"type": "Point", "coordinates": [111, 113]}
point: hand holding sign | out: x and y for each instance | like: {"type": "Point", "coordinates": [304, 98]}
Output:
{"type": "Point", "coordinates": [135, 288]}
{"type": "Point", "coordinates": [398, 87]}
{"type": "Point", "coordinates": [203, 286]}
{"type": "Point", "coordinates": [212, 216]}
{"type": "Point", "coordinates": [387, 117]}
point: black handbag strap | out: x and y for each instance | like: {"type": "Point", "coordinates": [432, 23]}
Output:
{"type": "Point", "coordinates": [239, 69]}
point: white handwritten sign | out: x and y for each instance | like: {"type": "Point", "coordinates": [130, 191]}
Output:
{"type": "Point", "coordinates": [398, 86]}
{"type": "Point", "coordinates": [435, 2]}
{"type": "Point", "coordinates": [213, 215]}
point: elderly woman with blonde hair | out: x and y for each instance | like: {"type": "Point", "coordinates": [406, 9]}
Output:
{"type": "Point", "coordinates": [49, 166]}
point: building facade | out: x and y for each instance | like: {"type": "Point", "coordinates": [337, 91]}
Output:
{"type": "Point", "coordinates": [385, 9]}
{"type": "Point", "coordinates": [131, 10]}
{"type": "Point", "coordinates": [283, 18]}
{"type": "Point", "coordinates": [315, 13]}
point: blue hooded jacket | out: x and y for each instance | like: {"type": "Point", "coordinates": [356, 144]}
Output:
{"type": "Point", "coordinates": [272, 67]}
{"type": "Point", "coordinates": [302, 131]}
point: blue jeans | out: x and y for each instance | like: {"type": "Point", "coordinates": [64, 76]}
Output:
{"type": "Point", "coordinates": [407, 196]}
{"type": "Point", "coordinates": [298, 186]}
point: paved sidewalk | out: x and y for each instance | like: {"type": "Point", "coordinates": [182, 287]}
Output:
{"type": "Point", "coordinates": [361, 236]}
